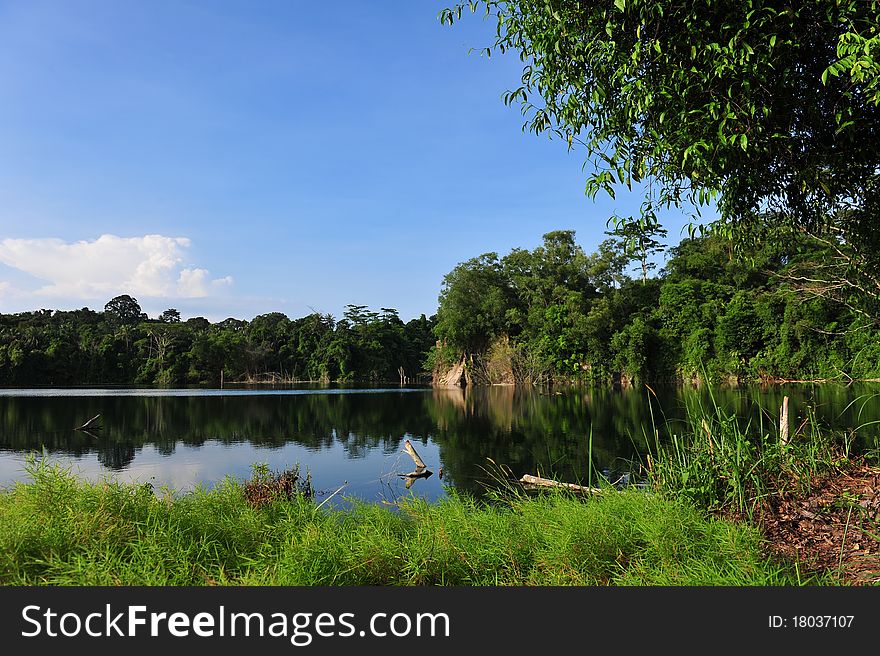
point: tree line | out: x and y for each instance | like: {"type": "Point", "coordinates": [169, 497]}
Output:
{"type": "Point", "coordinates": [123, 346]}
{"type": "Point", "coordinates": [556, 313]}
{"type": "Point", "coordinates": [547, 315]}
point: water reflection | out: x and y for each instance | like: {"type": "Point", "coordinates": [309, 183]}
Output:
{"type": "Point", "coordinates": [197, 437]}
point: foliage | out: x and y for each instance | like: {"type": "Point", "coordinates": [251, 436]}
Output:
{"type": "Point", "coordinates": [171, 315]}
{"type": "Point", "coordinates": [768, 108]}
{"type": "Point", "coordinates": [637, 237]}
{"type": "Point", "coordinates": [473, 303]}
{"type": "Point", "coordinates": [553, 313]}
{"type": "Point", "coordinates": [266, 487]}
{"type": "Point", "coordinates": [710, 313]}
{"type": "Point", "coordinates": [124, 310]}
{"type": "Point", "coordinates": [123, 346]}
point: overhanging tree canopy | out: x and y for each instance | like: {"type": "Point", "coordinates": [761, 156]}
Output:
{"type": "Point", "coordinates": [768, 108]}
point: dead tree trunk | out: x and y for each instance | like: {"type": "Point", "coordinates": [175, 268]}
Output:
{"type": "Point", "coordinates": [88, 423]}
{"type": "Point", "coordinates": [421, 470]}
{"type": "Point", "coordinates": [783, 422]}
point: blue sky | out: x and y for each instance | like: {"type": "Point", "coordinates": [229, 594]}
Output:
{"type": "Point", "coordinates": [236, 158]}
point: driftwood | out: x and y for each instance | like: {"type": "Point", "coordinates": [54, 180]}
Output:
{"type": "Point", "coordinates": [421, 470]}
{"type": "Point", "coordinates": [89, 423]}
{"type": "Point", "coordinates": [533, 482]}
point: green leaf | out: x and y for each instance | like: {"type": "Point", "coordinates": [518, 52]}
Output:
{"type": "Point", "coordinates": [641, 107]}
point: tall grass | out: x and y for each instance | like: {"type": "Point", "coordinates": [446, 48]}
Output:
{"type": "Point", "coordinates": [723, 462]}
{"type": "Point", "coordinates": [57, 530]}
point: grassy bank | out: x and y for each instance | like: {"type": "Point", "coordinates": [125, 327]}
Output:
{"type": "Point", "coordinates": [60, 531]}
{"type": "Point", "coordinates": [813, 493]}
{"type": "Point", "coordinates": [726, 464]}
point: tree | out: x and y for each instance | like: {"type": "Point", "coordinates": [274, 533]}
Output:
{"type": "Point", "coordinates": [198, 323]}
{"type": "Point", "coordinates": [474, 299]}
{"type": "Point", "coordinates": [561, 262]}
{"type": "Point", "coordinates": [124, 310]}
{"type": "Point", "coordinates": [268, 336]}
{"type": "Point", "coordinates": [636, 239]}
{"type": "Point", "coordinates": [170, 316]}
{"type": "Point", "coordinates": [769, 108]}
{"type": "Point", "coordinates": [606, 267]}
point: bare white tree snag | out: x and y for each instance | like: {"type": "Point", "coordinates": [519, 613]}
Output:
{"type": "Point", "coordinates": [421, 470]}
{"type": "Point", "coordinates": [783, 422]}
{"type": "Point", "coordinates": [532, 482]}
{"type": "Point", "coordinates": [88, 423]}
{"type": "Point", "coordinates": [412, 453]}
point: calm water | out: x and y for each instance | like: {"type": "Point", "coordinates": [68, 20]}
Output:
{"type": "Point", "coordinates": [183, 438]}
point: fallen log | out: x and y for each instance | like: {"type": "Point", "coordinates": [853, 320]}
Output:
{"type": "Point", "coordinates": [533, 482]}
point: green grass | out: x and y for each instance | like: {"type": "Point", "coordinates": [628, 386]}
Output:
{"type": "Point", "coordinates": [57, 530]}
{"type": "Point", "coordinates": [721, 464]}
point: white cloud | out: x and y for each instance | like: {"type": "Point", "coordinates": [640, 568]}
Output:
{"type": "Point", "coordinates": [150, 266]}
{"type": "Point", "coordinates": [191, 283]}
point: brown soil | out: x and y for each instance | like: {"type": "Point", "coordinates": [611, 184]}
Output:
{"type": "Point", "coordinates": [834, 528]}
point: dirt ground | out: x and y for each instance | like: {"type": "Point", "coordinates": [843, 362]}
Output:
{"type": "Point", "coordinates": [836, 527]}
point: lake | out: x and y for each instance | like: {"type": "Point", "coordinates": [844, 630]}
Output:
{"type": "Point", "coordinates": [178, 439]}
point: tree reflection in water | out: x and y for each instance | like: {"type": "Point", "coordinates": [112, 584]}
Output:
{"type": "Point", "coordinates": [551, 433]}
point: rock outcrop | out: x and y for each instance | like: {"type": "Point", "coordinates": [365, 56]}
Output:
{"type": "Point", "coordinates": [455, 376]}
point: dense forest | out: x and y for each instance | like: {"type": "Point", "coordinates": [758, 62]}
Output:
{"type": "Point", "coordinates": [556, 313]}
{"type": "Point", "coordinates": [549, 315]}
{"type": "Point", "coordinates": [122, 346]}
